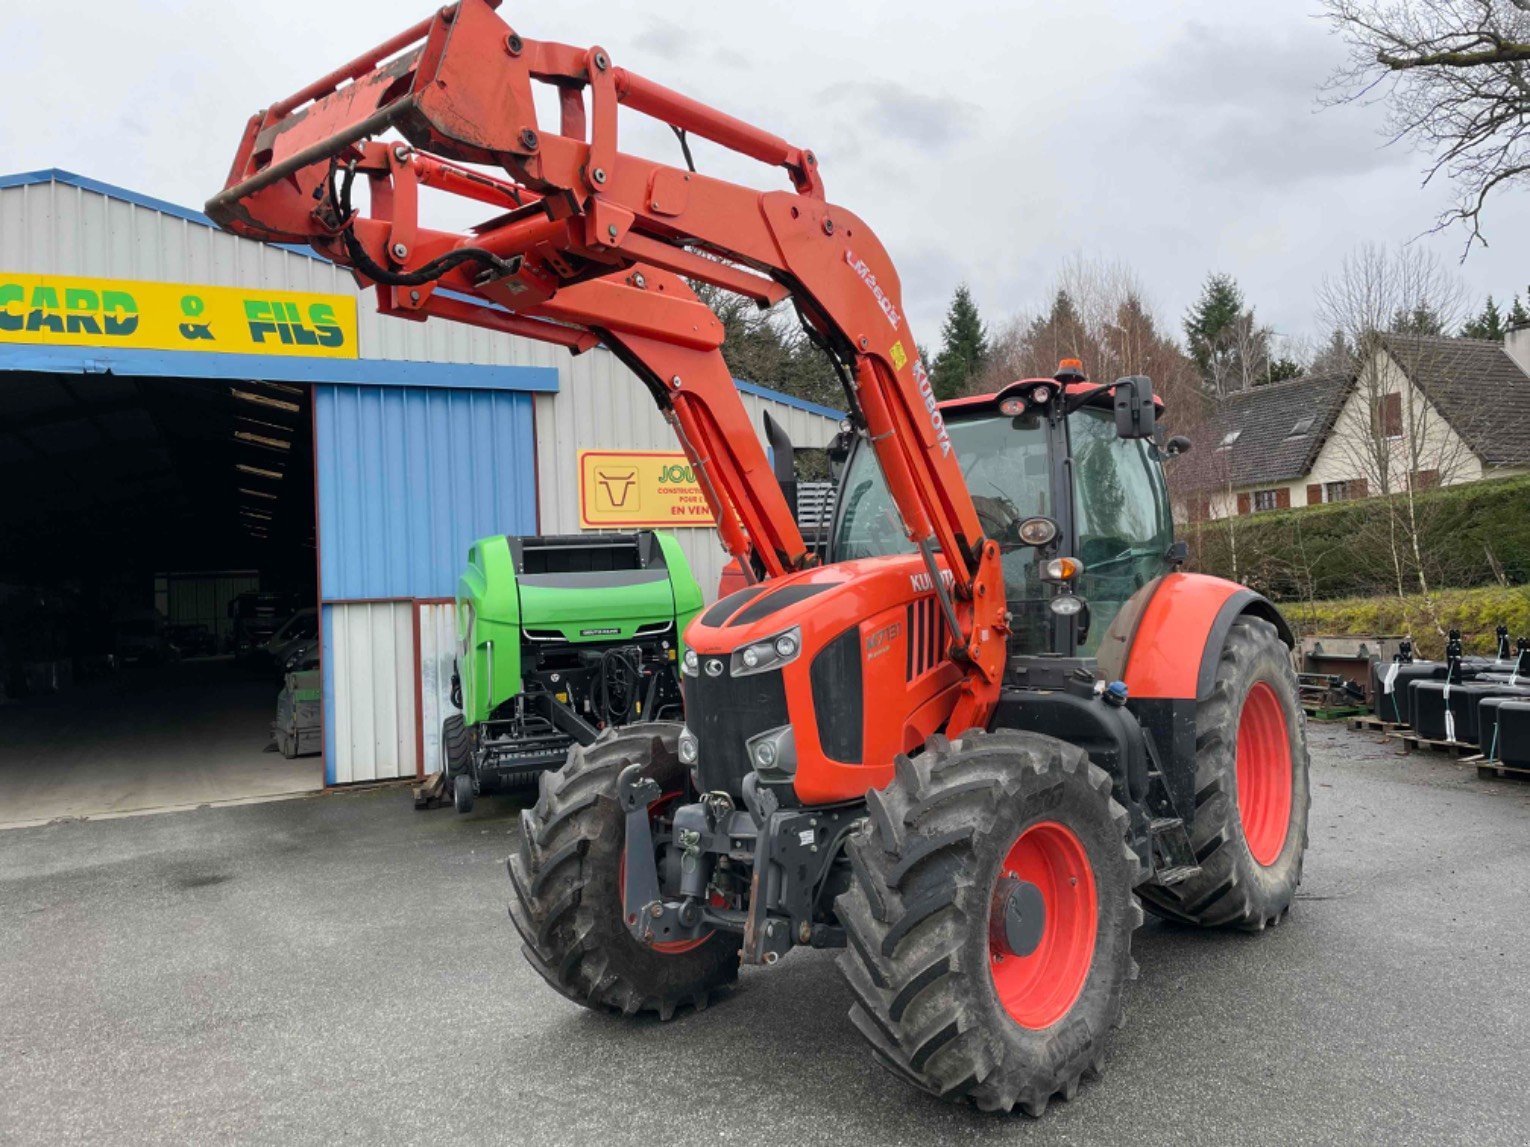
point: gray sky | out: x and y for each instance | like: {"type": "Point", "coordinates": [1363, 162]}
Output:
{"type": "Point", "coordinates": [984, 141]}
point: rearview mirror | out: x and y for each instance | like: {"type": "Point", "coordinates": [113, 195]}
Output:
{"type": "Point", "coordinates": [839, 452]}
{"type": "Point", "coordinates": [783, 460]}
{"type": "Point", "coordinates": [1136, 416]}
{"type": "Point", "coordinates": [1176, 446]}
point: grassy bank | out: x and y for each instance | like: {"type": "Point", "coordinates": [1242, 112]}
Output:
{"type": "Point", "coordinates": [1475, 612]}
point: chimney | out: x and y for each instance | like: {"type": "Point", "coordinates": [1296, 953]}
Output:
{"type": "Point", "coordinates": [1517, 343]}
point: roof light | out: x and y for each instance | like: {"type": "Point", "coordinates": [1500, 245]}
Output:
{"type": "Point", "coordinates": [1070, 364]}
{"type": "Point", "coordinates": [1012, 407]}
{"type": "Point", "coordinates": [1037, 531]}
{"type": "Point", "coordinates": [1061, 569]}
{"type": "Point", "coordinates": [1066, 605]}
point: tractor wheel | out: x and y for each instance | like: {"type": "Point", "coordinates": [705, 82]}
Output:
{"type": "Point", "coordinates": [567, 878]}
{"type": "Point", "coordinates": [456, 746]}
{"type": "Point", "coordinates": [990, 919]}
{"type": "Point", "coordinates": [462, 793]}
{"type": "Point", "coordinates": [1249, 830]}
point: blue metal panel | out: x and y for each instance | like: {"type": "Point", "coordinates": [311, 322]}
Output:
{"type": "Point", "coordinates": [410, 477]}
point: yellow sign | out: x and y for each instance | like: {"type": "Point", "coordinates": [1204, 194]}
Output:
{"type": "Point", "coordinates": [60, 310]}
{"type": "Point", "coordinates": [639, 488]}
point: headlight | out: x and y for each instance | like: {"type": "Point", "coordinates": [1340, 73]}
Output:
{"type": "Point", "coordinates": [1067, 605]}
{"type": "Point", "coordinates": [773, 753]}
{"type": "Point", "coordinates": [691, 662]}
{"type": "Point", "coordinates": [1037, 531]}
{"type": "Point", "coordinates": [772, 653]}
{"type": "Point", "coordinates": [689, 748]}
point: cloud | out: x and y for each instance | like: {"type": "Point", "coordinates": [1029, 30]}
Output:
{"type": "Point", "coordinates": [933, 123]}
{"type": "Point", "coordinates": [665, 40]}
{"type": "Point", "coordinates": [1237, 105]}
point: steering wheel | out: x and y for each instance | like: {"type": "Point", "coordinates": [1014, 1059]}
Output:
{"type": "Point", "coordinates": [999, 519]}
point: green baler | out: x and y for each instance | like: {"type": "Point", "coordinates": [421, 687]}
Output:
{"type": "Point", "coordinates": [557, 639]}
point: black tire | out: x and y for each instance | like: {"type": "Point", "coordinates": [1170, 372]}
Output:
{"type": "Point", "coordinates": [456, 746]}
{"type": "Point", "coordinates": [1234, 890]}
{"type": "Point", "coordinates": [917, 916]}
{"type": "Point", "coordinates": [462, 793]}
{"type": "Point", "coordinates": [566, 900]}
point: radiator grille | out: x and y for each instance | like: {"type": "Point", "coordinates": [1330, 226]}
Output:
{"type": "Point", "coordinates": [722, 713]}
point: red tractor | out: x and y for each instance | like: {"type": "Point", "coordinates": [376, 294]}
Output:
{"type": "Point", "coordinates": [965, 738]}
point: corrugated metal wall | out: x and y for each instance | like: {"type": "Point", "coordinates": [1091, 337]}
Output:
{"type": "Point", "coordinates": [370, 712]}
{"type": "Point", "coordinates": [601, 405]}
{"type": "Point", "coordinates": [438, 650]}
{"type": "Point", "coordinates": [57, 228]}
{"type": "Point", "coordinates": [409, 477]}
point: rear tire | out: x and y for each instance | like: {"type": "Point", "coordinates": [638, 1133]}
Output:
{"type": "Point", "coordinates": [567, 894]}
{"type": "Point", "coordinates": [462, 793]}
{"type": "Point", "coordinates": [943, 1002]}
{"type": "Point", "coordinates": [456, 746]}
{"type": "Point", "coordinates": [1249, 830]}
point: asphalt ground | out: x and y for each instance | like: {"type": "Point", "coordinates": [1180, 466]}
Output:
{"type": "Point", "coordinates": [341, 968]}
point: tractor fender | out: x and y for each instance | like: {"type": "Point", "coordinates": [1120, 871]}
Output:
{"type": "Point", "coordinates": [1171, 639]}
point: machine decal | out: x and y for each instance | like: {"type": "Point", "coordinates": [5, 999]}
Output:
{"type": "Point", "coordinates": [870, 280]}
{"type": "Point", "coordinates": [898, 355]}
{"type": "Point", "coordinates": [881, 641]}
{"type": "Point", "coordinates": [932, 404]}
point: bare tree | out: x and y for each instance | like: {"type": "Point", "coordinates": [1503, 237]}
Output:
{"type": "Point", "coordinates": [1391, 436]}
{"type": "Point", "coordinates": [1455, 75]}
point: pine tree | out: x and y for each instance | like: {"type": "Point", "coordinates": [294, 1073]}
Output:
{"type": "Point", "coordinates": [964, 347]}
{"type": "Point", "coordinates": [1518, 316]}
{"type": "Point", "coordinates": [1283, 369]}
{"type": "Point", "coordinates": [1229, 348]}
{"type": "Point", "coordinates": [1488, 325]}
{"type": "Point", "coordinates": [1422, 319]}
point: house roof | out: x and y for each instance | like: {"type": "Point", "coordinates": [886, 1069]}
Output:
{"type": "Point", "coordinates": [1267, 435]}
{"type": "Point", "coordinates": [1476, 387]}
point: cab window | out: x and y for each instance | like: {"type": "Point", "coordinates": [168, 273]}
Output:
{"type": "Point", "coordinates": [1122, 517]}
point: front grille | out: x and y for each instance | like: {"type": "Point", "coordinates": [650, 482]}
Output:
{"type": "Point", "coordinates": [724, 712]}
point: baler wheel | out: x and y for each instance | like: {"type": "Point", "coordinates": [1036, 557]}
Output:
{"type": "Point", "coordinates": [990, 919]}
{"type": "Point", "coordinates": [1249, 830]}
{"type": "Point", "coordinates": [566, 881]}
{"type": "Point", "coordinates": [462, 793]}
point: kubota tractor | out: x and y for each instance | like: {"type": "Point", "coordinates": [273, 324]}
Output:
{"type": "Point", "coordinates": [964, 748]}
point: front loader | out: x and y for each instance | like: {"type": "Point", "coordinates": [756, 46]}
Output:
{"type": "Point", "coordinates": [968, 747]}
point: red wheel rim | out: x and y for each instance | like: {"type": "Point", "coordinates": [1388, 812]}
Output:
{"type": "Point", "coordinates": [1039, 989]}
{"type": "Point", "coordinates": [663, 947]}
{"type": "Point", "coordinates": [1264, 774]}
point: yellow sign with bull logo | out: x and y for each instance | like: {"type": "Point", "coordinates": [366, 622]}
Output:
{"type": "Point", "coordinates": [639, 489]}
{"type": "Point", "coordinates": [64, 310]}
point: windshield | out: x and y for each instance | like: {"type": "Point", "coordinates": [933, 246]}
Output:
{"type": "Point", "coordinates": [1122, 516]}
{"type": "Point", "coordinates": [1004, 461]}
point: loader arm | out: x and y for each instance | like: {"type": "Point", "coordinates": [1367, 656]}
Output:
{"type": "Point", "coordinates": [585, 243]}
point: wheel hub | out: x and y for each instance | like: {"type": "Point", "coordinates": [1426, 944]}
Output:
{"type": "Point", "coordinates": [1018, 917]}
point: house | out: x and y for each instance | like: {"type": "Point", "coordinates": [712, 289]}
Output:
{"type": "Point", "coordinates": [1420, 412]}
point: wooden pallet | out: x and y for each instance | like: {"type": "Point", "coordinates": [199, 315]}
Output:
{"type": "Point", "coordinates": [1412, 741]}
{"type": "Point", "coordinates": [1369, 723]}
{"type": "Point", "coordinates": [1493, 770]}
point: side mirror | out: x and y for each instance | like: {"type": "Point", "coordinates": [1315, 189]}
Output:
{"type": "Point", "coordinates": [1136, 417]}
{"type": "Point", "coordinates": [1176, 446]}
{"type": "Point", "coordinates": [783, 459]}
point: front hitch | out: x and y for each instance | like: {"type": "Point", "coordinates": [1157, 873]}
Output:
{"type": "Point", "coordinates": [649, 917]}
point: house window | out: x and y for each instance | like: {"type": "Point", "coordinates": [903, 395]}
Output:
{"type": "Point", "coordinates": [1388, 415]}
{"type": "Point", "coordinates": [1337, 492]}
{"type": "Point", "coordinates": [1303, 426]}
{"type": "Point", "coordinates": [1266, 500]}
{"type": "Point", "coordinates": [1229, 438]}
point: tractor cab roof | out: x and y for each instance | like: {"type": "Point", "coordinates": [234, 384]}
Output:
{"type": "Point", "coordinates": [1070, 377]}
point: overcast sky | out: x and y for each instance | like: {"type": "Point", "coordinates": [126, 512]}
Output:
{"type": "Point", "coordinates": [986, 142]}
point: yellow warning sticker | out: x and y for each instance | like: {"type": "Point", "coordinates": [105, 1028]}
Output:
{"type": "Point", "coordinates": [899, 356]}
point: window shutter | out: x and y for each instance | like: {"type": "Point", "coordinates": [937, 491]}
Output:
{"type": "Point", "coordinates": [1358, 489]}
{"type": "Point", "coordinates": [1242, 504]}
{"type": "Point", "coordinates": [1314, 493]}
{"type": "Point", "coordinates": [1426, 479]}
{"type": "Point", "coordinates": [1283, 498]}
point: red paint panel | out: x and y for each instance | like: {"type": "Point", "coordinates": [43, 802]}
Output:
{"type": "Point", "coordinates": [1165, 658]}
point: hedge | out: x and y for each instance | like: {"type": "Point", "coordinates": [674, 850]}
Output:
{"type": "Point", "coordinates": [1477, 613]}
{"type": "Point", "coordinates": [1476, 534]}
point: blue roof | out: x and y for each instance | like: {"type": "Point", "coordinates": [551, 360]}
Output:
{"type": "Point", "coordinates": [165, 207]}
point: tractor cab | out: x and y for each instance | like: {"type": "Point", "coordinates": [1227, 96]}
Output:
{"type": "Point", "coordinates": [1063, 480]}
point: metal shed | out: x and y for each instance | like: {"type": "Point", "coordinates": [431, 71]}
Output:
{"type": "Point", "coordinates": [424, 438]}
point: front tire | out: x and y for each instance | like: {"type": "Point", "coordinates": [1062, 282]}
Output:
{"type": "Point", "coordinates": [567, 891]}
{"type": "Point", "coordinates": [1249, 830]}
{"type": "Point", "coordinates": [947, 999]}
